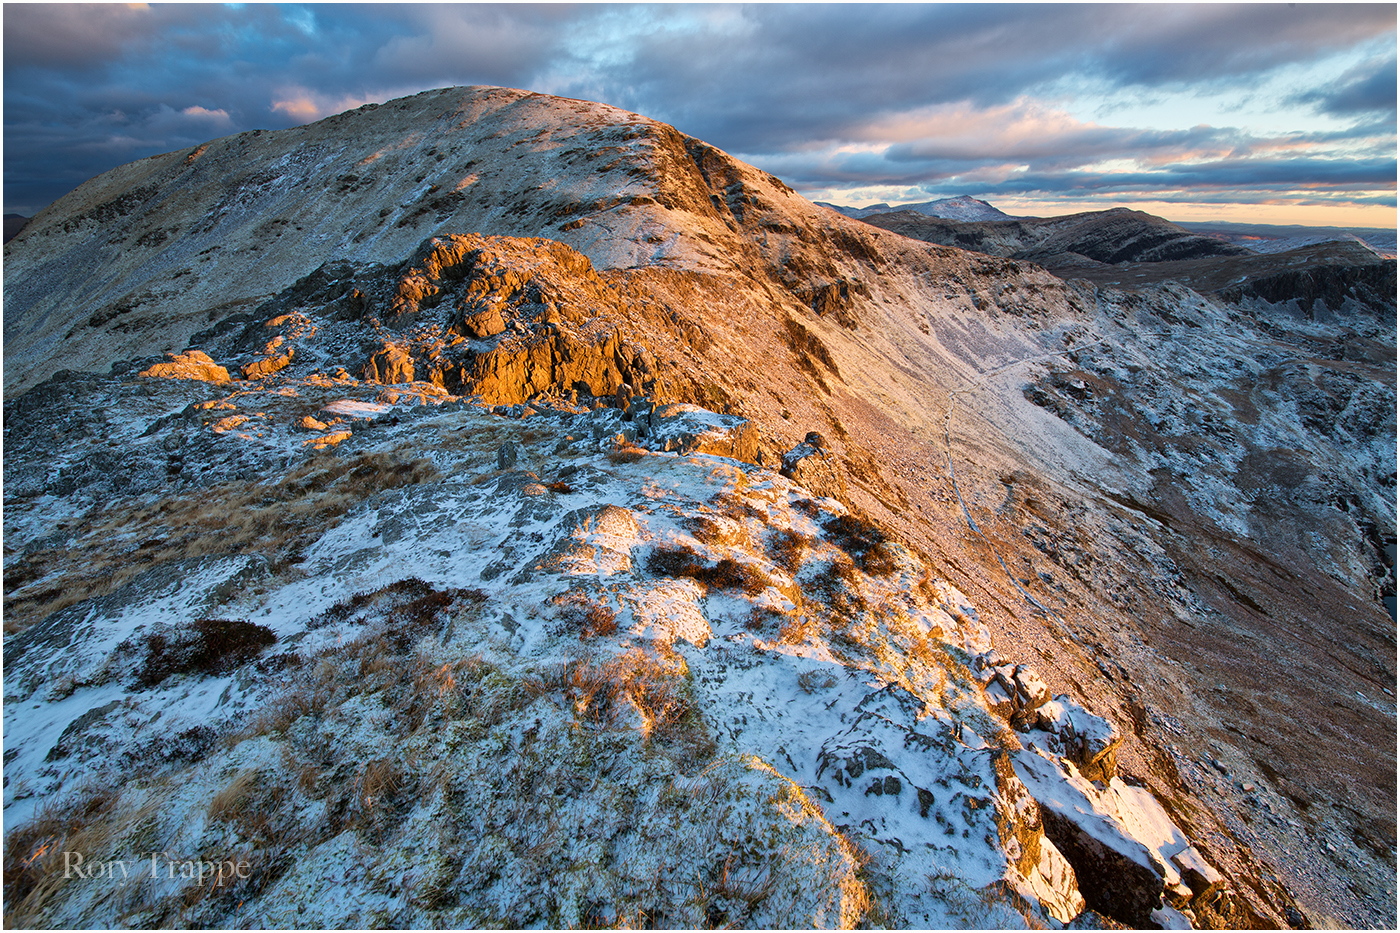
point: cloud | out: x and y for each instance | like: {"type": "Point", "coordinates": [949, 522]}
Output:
{"type": "Point", "coordinates": [471, 44]}
{"type": "Point", "coordinates": [304, 106]}
{"type": "Point", "coordinates": [1367, 88]}
{"type": "Point", "coordinates": [798, 73]}
{"type": "Point", "coordinates": [910, 94]}
{"type": "Point", "coordinates": [201, 113]}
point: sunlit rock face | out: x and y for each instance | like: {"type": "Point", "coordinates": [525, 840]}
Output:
{"type": "Point", "coordinates": [489, 427]}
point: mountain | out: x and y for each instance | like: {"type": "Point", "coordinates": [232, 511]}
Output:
{"type": "Point", "coordinates": [14, 223]}
{"type": "Point", "coordinates": [1270, 238]}
{"type": "Point", "coordinates": [599, 532]}
{"type": "Point", "coordinates": [1105, 237]}
{"type": "Point", "coordinates": [1123, 248]}
{"type": "Point", "coordinates": [960, 208]}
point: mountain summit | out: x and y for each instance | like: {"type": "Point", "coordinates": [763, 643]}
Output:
{"type": "Point", "coordinates": [601, 533]}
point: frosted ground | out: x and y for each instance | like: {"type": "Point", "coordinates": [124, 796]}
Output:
{"type": "Point", "coordinates": [600, 685]}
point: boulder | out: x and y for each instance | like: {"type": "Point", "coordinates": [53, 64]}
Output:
{"type": "Point", "coordinates": [192, 364]}
{"type": "Point", "coordinates": [390, 366]}
{"type": "Point", "coordinates": [1090, 742]}
{"type": "Point", "coordinates": [690, 429]}
{"type": "Point", "coordinates": [1196, 873]}
{"type": "Point", "coordinates": [507, 456]}
{"type": "Point", "coordinates": [480, 324]}
{"type": "Point", "coordinates": [1050, 876]}
{"type": "Point", "coordinates": [816, 468]}
{"type": "Point", "coordinates": [1016, 694]}
{"type": "Point", "coordinates": [259, 369]}
{"type": "Point", "coordinates": [1118, 875]}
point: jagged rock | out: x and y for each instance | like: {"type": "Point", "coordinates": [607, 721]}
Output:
{"type": "Point", "coordinates": [1049, 874]}
{"type": "Point", "coordinates": [688, 429]}
{"type": "Point", "coordinates": [258, 369]}
{"type": "Point", "coordinates": [1118, 875]}
{"type": "Point", "coordinates": [482, 324]}
{"type": "Point", "coordinates": [1198, 875]}
{"type": "Point", "coordinates": [816, 468]}
{"type": "Point", "coordinates": [192, 364]}
{"type": "Point", "coordinates": [1090, 741]}
{"type": "Point", "coordinates": [309, 423]}
{"type": "Point", "coordinates": [894, 762]}
{"type": "Point", "coordinates": [391, 365]}
{"type": "Point", "coordinates": [1016, 694]}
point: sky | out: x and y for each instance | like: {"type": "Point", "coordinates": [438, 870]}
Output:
{"type": "Point", "coordinates": [1260, 113]}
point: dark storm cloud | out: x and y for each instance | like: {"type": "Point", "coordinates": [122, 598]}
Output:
{"type": "Point", "coordinates": [88, 87]}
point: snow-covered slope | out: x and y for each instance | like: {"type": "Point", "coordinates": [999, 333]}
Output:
{"type": "Point", "coordinates": [549, 676]}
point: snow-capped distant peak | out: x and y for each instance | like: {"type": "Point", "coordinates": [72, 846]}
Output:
{"type": "Point", "coordinates": [963, 208]}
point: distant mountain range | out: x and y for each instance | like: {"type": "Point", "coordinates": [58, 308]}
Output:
{"type": "Point", "coordinates": [960, 208]}
{"type": "Point", "coordinates": [1258, 238]}
{"type": "Point", "coordinates": [1269, 238]}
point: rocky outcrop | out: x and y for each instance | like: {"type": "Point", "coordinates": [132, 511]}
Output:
{"type": "Point", "coordinates": [1368, 282]}
{"type": "Point", "coordinates": [391, 365]}
{"type": "Point", "coordinates": [1118, 875]}
{"type": "Point", "coordinates": [259, 369]}
{"type": "Point", "coordinates": [1068, 730]}
{"type": "Point", "coordinates": [192, 364]}
{"type": "Point", "coordinates": [685, 429]}
{"type": "Point", "coordinates": [1059, 725]}
{"type": "Point", "coordinates": [812, 464]}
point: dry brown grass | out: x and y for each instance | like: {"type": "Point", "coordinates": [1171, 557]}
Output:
{"type": "Point", "coordinates": [815, 679]}
{"type": "Point", "coordinates": [624, 451]}
{"type": "Point", "coordinates": [789, 549]}
{"type": "Point", "coordinates": [230, 803]}
{"type": "Point", "coordinates": [763, 619]}
{"type": "Point", "coordinates": [836, 591]}
{"type": "Point", "coordinates": [797, 630]}
{"type": "Point", "coordinates": [859, 536]}
{"type": "Point", "coordinates": [208, 646]}
{"type": "Point", "coordinates": [727, 574]}
{"type": "Point", "coordinates": [90, 823]}
{"type": "Point", "coordinates": [737, 507]}
{"type": "Point", "coordinates": [586, 616]}
{"type": "Point", "coordinates": [636, 680]}
{"type": "Point", "coordinates": [275, 519]}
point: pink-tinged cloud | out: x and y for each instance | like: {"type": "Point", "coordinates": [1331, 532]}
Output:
{"type": "Point", "coordinates": [202, 113]}
{"type": "Point", "coordinates": [304, 106]}
{"type": "Point", "coordinates": [1029, 131]}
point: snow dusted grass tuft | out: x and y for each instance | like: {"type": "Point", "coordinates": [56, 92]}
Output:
{"type": "Point", "coordinates": [34, 853]}
{"type": "Point", "coordinates": [728, 573]}
{"type": "Point", "coordinates": [209, 646]}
